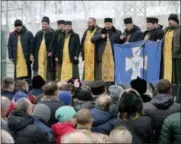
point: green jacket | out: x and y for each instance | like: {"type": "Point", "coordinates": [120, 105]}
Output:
{"type": "Point", "coordinates": [171, 130]}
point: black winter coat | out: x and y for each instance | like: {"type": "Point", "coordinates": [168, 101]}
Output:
{"type": "Point", "coordinates": [74, 47]}
{"type": "Point", "coordinates": [98, 31]}
{"type": "Point", "coordinates": [135, 35]}
{"type": "Point", "coordinates": [50, 45]}
{"type": "Point", "coordinates": [114, 36]}
{"type": "Point", "coordinates": [23, 129]}
{"type": "Point", "coordinates": [156, 34]}
{"type": "Point", "coordinates": [158, 109]}
{"type": "Point", "coordinates": [26, 41]}
{"type": "Point", "coordinates": [140, 128]}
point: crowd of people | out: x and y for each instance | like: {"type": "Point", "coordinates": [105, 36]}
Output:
{"type": "Point", "coordinates": [97, 112]}
{"type": "Point", "coordinates": [54, 54]}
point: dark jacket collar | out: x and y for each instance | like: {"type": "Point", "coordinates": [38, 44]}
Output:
{"type": "Point", "coordinates": [105, 31]}
{"type": "Point", "coordinates": [135, 28]}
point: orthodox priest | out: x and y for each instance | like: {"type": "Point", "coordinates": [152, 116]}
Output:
{"type": "Point", "coordinates": [104, 40]}
{"type": "Point", "coordinates": [59, 32]}
{"type": "Point", "coordinates": [44, 46]}
{"type": "Point", "coordinates": [19, 49]}
{"type": "Point", "coordinates": [89, 50]}
{"type": "Point", "coordinates": [172, 51]}
{"type": "Point", "coordinates": [67, 53]}
{"type": "Point", "coordinates": [153, 32]}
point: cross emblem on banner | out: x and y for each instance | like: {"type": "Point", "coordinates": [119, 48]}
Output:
{"type": "Point", "coordinates": [136, 63]}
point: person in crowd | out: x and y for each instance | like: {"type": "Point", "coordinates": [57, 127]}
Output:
{"type": "Point", "coordinates": [67, 53]}
{"type": "Point", "coordinates": [132, 32]}
{"type": "Point", "coordinates": [65, 97]}
{"type": "Point", "coordinates": [68, 87]}
{"type": "Point", "coordinates": [152, 33]}
{"type": "Point", "coordinates": [89, 50]}
{"type": "Point", "coordinates": [66, 117]}
{"type": "Point", "coordinates": [8, 88]}
{"type": "Point", "coordinates": [140, 85]}
{"type": "Point", "coordinates": [37, 86]}
{"type": "Point", "coordinates": [76, 137]}
{"type": "Point", "coordinates": [59, 32]}
{"type": "Point", "coordinates": [22, 92]}
{"type": "Point", "coordinates": [158, 25]}
{"type": "Point", "coordinates": [77, 86]}
{"type": "Point", "coordinates": [21, 124]}
{"type": "Point", "coordinates": [97, 88]}
{"type": "Point", "coordinates": [5, 103]}
{"type": "Point", "coordinates": [171, 51]}
{"type": "Point", "coordinates": [84, 124]}
{"type": "Point", "coordinates": [83, 100]}
{"type": "Point", "coordinates": [43, 51]}
{"type": "Point", "coordinates": [20, 45]}
{"type": "Point", "coordinates": [50, 99]}
{"type": "Point", "coordinates": [121, 135]}
{"type": "Point", "coordinates": [171, 131]}
{"type": "Point", "coordinates": [6, 138]}
{"type": "Point", "coordinates": [102, 119]}
{"type": "Point", "coordinates": [104, 40]}
{"type": "Point", "coordinates": [41, 114]}
{"type": "Point", "coordinates": [115, 92]}
{"type": "Point", "coordinates": [130, 115]}
{"type": "Point", "coordinates": [151, 91]}
{"type": "Point", "coordinates": [161, 106]}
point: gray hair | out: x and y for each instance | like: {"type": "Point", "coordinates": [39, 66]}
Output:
{"type": "Point", "coordinates": [75, 138]}
{"type": "Point", "coordinates": [103, 102]}
{"type": "Point", "coordinates": [22, 105]}
{"type": "Point", "coordinates": [6, 137]}
{"type": "Point", "coordinates": [120, 135]}
{"type": "Point", "coordinates": [5, 102]}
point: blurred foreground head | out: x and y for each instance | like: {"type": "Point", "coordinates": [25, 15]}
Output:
{"type": "Point", "coordinates": [6, 138]}
{"type": "Point", "coordinates": [164, 87]}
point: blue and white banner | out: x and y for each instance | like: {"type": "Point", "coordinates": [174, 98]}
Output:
{"type": "Point", "coordinates": [135, 59]}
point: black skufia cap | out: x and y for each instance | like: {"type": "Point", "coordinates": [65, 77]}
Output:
{"type": "Point", "coordinates": [151, 20]}
{"type": "Point", "coordinates": [97, 87]}
{"type": "Point", "coordinates": [46, 19]}
{"type": "Point", "coordinates": [68, 23]}
{"type": "Point", "coordinates": [108, 20]}
{"type": "Point", "coordinates": [60, 22]}
{"type": "Point", "coordinates": [18, 23]}
{"type": "Point", "coordinates": [128, 20]}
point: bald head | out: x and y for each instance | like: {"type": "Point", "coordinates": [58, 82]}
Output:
{"type": "Point", "coordinates": [76, 137]}
{"type": "Point", "coordinates": [84, 117]}
{"type": "Point", "coordinates": [91, 23]}
{"type": "Point", "coordinates": [23, 105]}
{"type": "Point", "coordinates": [5, 102]}
{"type": "Point", "coordinates": [120, 135]}
{"type": "Point", "coordinates": [104, 102]}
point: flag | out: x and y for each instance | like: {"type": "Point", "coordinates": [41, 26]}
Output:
{"type": "Point", "coordinates": [135, 59]}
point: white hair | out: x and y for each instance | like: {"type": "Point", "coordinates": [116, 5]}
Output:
{"type": "Point", "coordinates": [120, 135]}
{"type": "Point", "coordinates": [76, 137]}
{"type": "Point", "coordinates": [6, 137]}
{"type": "Point", "coordinates": [5, 102]}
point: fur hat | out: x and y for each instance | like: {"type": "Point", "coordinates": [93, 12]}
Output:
{"type": "Point", "coordinates": [42, 111]}
{"type": "Point", "coordinates": [140, 85]}
{"type": "Point", "coordinates": [18, 23]}
{"type": "Point", "coordinates": [68, 23]}
{"type": "Point", "coordinates": [38, 82]}
{"type": "Point", "coordinates": [108, 20]}
{"type": "Point", "coordinates": [151, 20]}
{"type": "Point", "coordinates": [46, 19]}
{"type": "Point", "coordinates": [60, 22]}
{"type": "Point", "coordinates": [128, 20]}
{"type": "Point", "coordinates": [174, 17]}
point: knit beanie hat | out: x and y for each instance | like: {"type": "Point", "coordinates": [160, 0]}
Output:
{"type": "Point", "coordinates": [20, 94]}
{"type": "Point", "coordinates": [42, 111]}
{"type": "Point", "coordinates": [65, 113]}
{"type": "Point", "coordinates": [65, 97]}
{"type": "Point", "coordinates": [174, 17]}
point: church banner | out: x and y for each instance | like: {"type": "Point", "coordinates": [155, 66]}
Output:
{"type": "Point", "coordinates": [135, 59]}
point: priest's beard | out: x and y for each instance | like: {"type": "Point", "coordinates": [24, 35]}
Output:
{"type": "Point", "coordinates": [91, 28]}
{"type": "Point", "coordinates": [67, 32]}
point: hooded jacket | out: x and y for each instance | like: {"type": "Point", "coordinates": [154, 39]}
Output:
{"type": "Point", "coordinates": [60, 129]}
{"type": "Point", "coordinates": [23, 129]}
{"type": "Point", "coordinates": [158, 109]}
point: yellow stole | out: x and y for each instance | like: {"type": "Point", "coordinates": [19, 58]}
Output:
{"type": "Point", "coordinates": [66, 72]}
{"type": "Point", "coordinates": [108, 63]}
{"type": "Point", "coordinates": [42, 60]}
{"type": "Point", "coordinates": [21, 66]}
{"type": "Point", "coordinates": [89, 57]}
{"type": "Point", "coordinates": [167, 56]}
